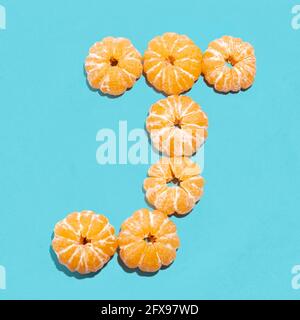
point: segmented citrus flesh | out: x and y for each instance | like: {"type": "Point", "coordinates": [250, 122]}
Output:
{"type": "Point", "coordinates": [177, 126]}
{"type": "Point", "coordinates": [233, 51]}
{"type": "Point", "coordinates": [148, 240]}
{"type": "Point", "coordinates": [172, 63]}
{"type": "Point", "coordinates": [113, 65]}
{"type": "Point", "coordinates": [84, 241]}
{"type": "Point", "coordinates": [174, 185]}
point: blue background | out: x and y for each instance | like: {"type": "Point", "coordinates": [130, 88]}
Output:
{"type": "Point", "coordinates": [243, 237]}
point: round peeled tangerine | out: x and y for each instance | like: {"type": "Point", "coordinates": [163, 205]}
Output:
{"type": "Point", "coordinates": [177, 126]}
{"type": "Point", "coordinates": [148, 240]}
{"type": "Point", "coordinates": [172, 63]}
{"type": "Point", "coordinates": [174, 185]}
{"type": "Point", "coordinates": [113, 65]}
{"type": "Point", "coordinates": [239, 54]}
{"type": "Point", "coordinates": [84, 241]}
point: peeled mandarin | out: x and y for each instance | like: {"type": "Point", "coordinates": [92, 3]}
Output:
{"type": "Point", "coordinates": [113, 65]}
{"type": "Point", "coordinates": [172, 63]}
{"type": "Point", "coordinates": [239, 54]}
{"type": "Point", "coordinates": [174, 185]}
{"type": "Point", "coordinates": [177, 126]}
{"type": "Point", "coordinates": [84, 241]}
{"type": "Point", "coordinates": [148, 240]}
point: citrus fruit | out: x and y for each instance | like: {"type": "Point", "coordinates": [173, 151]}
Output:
{"type": "Point", "coordinates": [148, 241]}
{"type": "Point", "coordinates": [177, 126]}
{"type": "Point", "coordinates": [113, 65]}
{"type": "Point", "coordinates": [174, 185]}
{"type": "Point", "coordinates": [84, 241]}
{"type": "Point", "coordinates": [229, 64]}
{"type": "Point", "coordinates": [172, 63]}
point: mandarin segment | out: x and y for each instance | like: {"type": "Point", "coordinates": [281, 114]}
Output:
{"type": "Point", "coordinates": [113, 65]}
{"type": "Point", "coordinates": [84, 241]}
{"type": "Point", "coordinates": [172, 63]}
{"type": "Point", "coordinates": [177, 126]}
{"type": "Point", "coordinates": [148, 240]}
{"type": "Point", "coordinates": [150, 261]}
{"type": "Point", "coordinates": [177, 192]}
{"type": "Point", "coordinates": [233, 51]}
{"type": "Point", "coordinates": [132, 253]}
